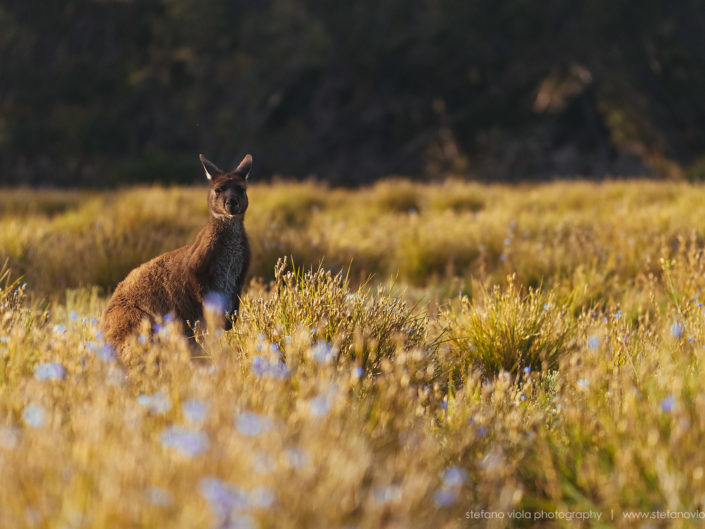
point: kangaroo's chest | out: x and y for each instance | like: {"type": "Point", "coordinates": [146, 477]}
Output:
{"type": "Point", "coordinates": [226, 268]}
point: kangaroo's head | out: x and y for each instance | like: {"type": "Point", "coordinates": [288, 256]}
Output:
{"type": "Point", "coordinates": [227, 196]}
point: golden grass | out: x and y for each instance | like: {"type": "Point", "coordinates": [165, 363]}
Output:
{"type": "Point", "coordinates": [530, 350]}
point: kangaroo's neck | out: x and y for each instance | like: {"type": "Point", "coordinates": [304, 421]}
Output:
{"type": "Point", "coordinates": [226, 228]}
{"type": "Point", "coordinates": [224, 257]}
{"type": "Point", "coordinates": [218, 239]}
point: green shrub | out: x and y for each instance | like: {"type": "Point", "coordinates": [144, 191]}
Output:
{"type": "Point", "coordinates": [362, 324]}
{"type": "Point", "coordinates": [501, 329]}
{"type": "Point", "coordinates": [397, 195]}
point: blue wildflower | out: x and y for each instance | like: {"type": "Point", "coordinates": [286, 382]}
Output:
{"type": "Point", "coordinates": [279, 370]}
{"type": "Point", "coordinates": [106, 353]}
{"type": "Point", "coordinates": [50, 371]}
{"type": "Point", "coordinates": [242, 521]}
{"type": "Point", "coordinates": [215, 302]}
{"type": "Point", "coordinates": [667, 404]}
{"type": "Point", "coordinates": [320, 405]}
{"type": "Point", "coordinates": [34, 415]}
{"type": "Point", "coordinates": [188, 443]}
{"type": "Point", "coordinates": [583, 382]}
{"type": "Point", "coordinates": [223, 498]}
{"type": "Point", "coordinates": [195, 410]}
{"type": "Point", "coordinates": [323, 352]}
{"type": "Point", "coordinates": [454, 476]}
{"type": "Point", "coordinates": [482, 431]}
{"type": "Point", "coordinates": [59, 328]}
{"type": "Point", "coordinates": [259, 366]}
{"type": "Point", "coordinates": [444, 497]}
{"type": "Point", "coordinates": [593, 342]}
{"type": "Point", "coordinates": [158, 403]}
{"type": "Point", "coordinates": [73, 315]}
{"type": "Point", "coordinates": [677, 329]}
{"type": "Point", "coordinates": [264, 368]}
{"type": "Point", "coordinates": [252, 424]}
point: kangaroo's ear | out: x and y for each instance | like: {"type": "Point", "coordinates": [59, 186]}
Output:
{"type": "Point", "coordinates": [244, 168]}
{"type": "Point", "coordinates": [210, 168]}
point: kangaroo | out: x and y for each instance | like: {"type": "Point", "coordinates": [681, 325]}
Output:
{"type": "Point", "coordinates": [210, 269]}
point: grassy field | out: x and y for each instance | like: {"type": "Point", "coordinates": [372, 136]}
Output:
{"type": "Point", "coordinates": [443, 355]}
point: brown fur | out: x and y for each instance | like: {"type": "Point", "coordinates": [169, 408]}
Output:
{"type": "Point", "coordinates": [178, 282]}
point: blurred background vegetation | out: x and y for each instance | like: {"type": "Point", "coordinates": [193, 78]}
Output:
{"type": "Point", "coordinates": [106, 92]}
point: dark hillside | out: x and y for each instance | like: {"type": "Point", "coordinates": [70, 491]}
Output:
{"type": "Point", "coordinates": [101, 92]}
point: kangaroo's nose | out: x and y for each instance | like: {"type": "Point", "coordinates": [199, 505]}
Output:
{"type": "Point", "coordinates": [231, 203]}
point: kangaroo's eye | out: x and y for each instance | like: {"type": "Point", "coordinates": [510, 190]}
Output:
{"type": "Point", "coordinates": [218, 190]}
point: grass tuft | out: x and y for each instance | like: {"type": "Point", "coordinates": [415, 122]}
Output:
{"type": "Point", "coordinates": [503, 330]}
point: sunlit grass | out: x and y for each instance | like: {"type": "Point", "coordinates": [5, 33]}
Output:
{"type": "Point", "coordinates": [449, 349]}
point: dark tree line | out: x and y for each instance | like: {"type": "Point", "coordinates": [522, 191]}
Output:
{"type": "Point", "coordinates": [103, 92]}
